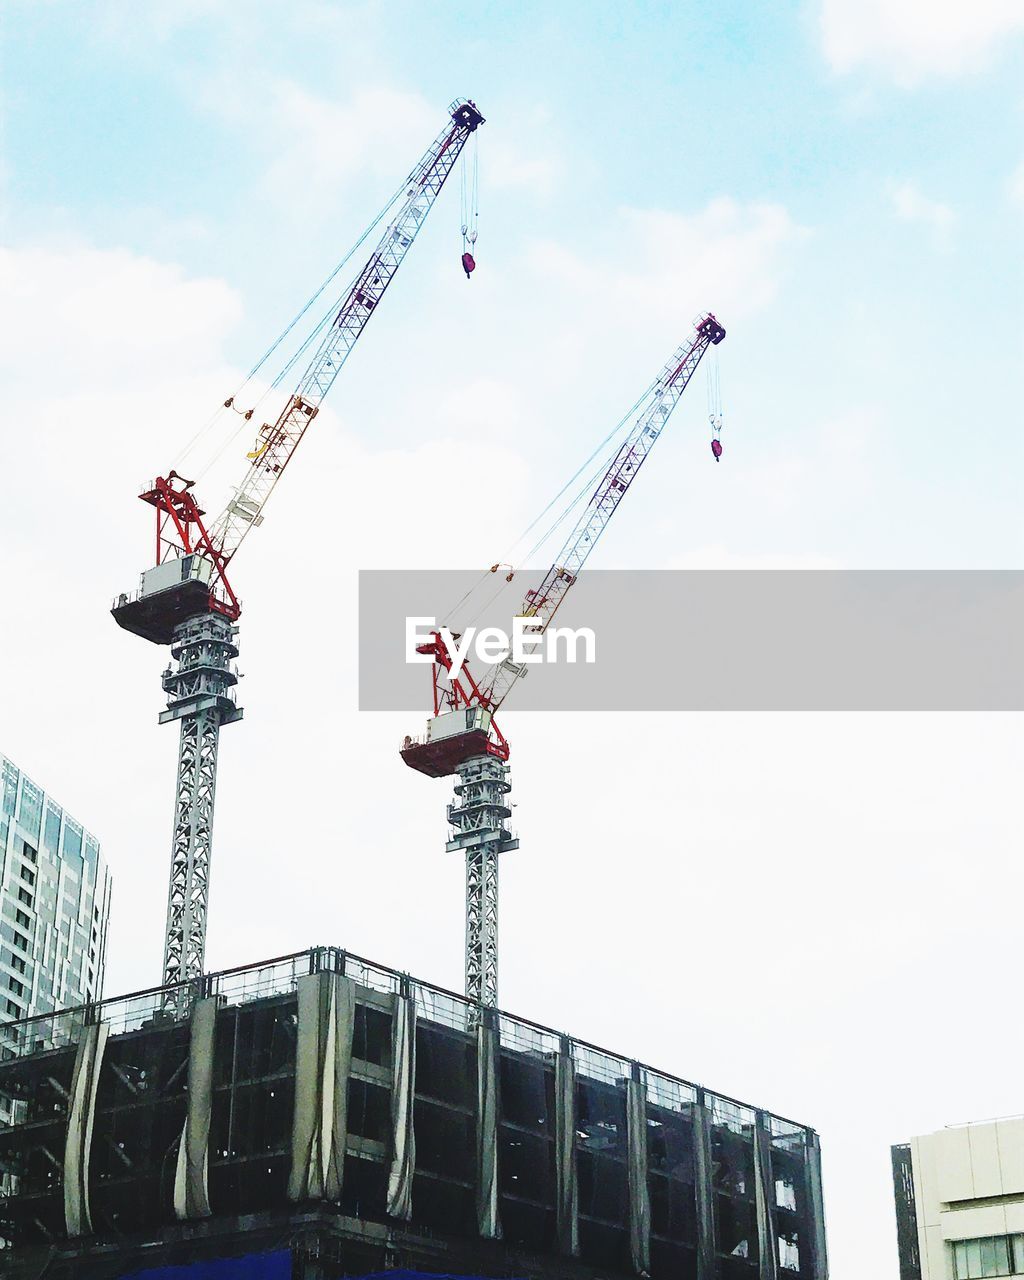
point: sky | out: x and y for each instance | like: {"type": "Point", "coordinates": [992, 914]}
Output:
{"type": "Point", "coordinates": [795, 909]}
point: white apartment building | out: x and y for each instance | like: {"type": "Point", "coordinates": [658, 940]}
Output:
{"type": "Point", "coordinates": [960, 1202]}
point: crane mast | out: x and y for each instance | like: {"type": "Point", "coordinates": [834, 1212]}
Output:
{"type": "Point", "coordinates": [187, 601]}
{"type": "Point", "coordinates": [463, 738]}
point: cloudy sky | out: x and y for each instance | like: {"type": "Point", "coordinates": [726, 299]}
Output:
{"type": "Point", "coordinates": [799, 910]}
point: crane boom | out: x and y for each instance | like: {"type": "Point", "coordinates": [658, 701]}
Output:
{"type": "Point", "coordinates": [542, 603]}
{"type": "Point", "coordinates": [278, 442]}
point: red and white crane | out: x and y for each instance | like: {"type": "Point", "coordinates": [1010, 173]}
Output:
{"type": "Point", "coordinates": [462, 736]}
{"type": "Point", "coordinates": [187, 600]}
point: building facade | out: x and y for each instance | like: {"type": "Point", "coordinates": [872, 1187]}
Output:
{"type": "Point", "coordinates": [54, 903]}
{"type": "Point", "coordinates": [319, 1116]}
{"type": "Point", "coordinates": [960, 1202]}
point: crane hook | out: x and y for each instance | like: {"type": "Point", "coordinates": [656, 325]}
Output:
{"type": "Point", "coordinates": [468, 264]}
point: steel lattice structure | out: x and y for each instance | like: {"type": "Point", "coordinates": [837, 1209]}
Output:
{"type": "Point", "coordinates": [478, 817]}
{"type": "Point", "coordinates": [199, 687]}
{"type": "Point", "coordinates": [187, 601]}
{"type": "Point", "coordinates": [473, 747]}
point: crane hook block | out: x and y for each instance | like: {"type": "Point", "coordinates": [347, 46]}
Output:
{"type": "Point", "coordinates": [716, 448]}
{"type": "Point", "coordinates": [468, 264]}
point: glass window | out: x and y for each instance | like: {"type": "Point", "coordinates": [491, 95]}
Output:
{"type": "Point", "coordinates": [991, 1256]}
{"type": "Point", "coordinates": [30, 811]}
{"type": "Point", "coordinates": [10, 787]}
{"type": "Point", "coordinates": [995, 1256]}
{"type": "Point", "coordinates": [72, 838]}
{"type": "Point", "coordinates": [51, 834]}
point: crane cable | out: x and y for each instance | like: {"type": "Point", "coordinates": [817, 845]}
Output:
{"type": "Point", "coordinates": [469, 192]}
{"type": "Point", "coordinates": [592, 477]}
{"type": "Point", "coordinates": [229, 403]}
{"type": "Point", "coordinates": [714, 384]}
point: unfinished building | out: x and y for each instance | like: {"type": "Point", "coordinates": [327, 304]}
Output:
{"type": "Point", "coordinates": [323, 1116]}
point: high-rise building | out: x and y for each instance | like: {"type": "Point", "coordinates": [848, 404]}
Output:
{"type": "Point", "coordinates": [54, 903]}
{"type": "Point", "coordinates": [319, 1116]}
{"type": "Point", "coordinates": [960, 1202]}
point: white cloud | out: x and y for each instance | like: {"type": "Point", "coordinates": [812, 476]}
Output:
{"type": "Point", "coordinates": [910, 40]}
{"type": "Point", "coordinates": [911, 205]}
{"type": "Point", "coordinates": [316, 145]}
{"type": "Point", "coordinates": [1016, 186]}
{"type": "Point", "coordinates": [728, 258]}
{"type": "Point", "coordinates": [107, 317]}
{"type": "Point", "coordinates": [718, 556]}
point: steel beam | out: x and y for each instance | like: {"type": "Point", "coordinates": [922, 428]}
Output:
{"type": "Point", "coordinates": [199, 687]}
{"type": "Point", "coordinates": [478, 818]}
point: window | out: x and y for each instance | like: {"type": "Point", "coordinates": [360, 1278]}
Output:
{"type": "Point", "coordinates": [17, 964]}
{"type": "Point", "coordinates": [16, 986]}
{"type": "Point", "coordinates": [28, 874]}
{"type": "Point", "coordinates": [789, 1253]}
{"type": "Point", "coordinates": [30, 811]}
{"type": "Point", "coordinates": [14, 1010]}
{"type": "Point", "coordinates": [27, 851]}
{"type": "Point", "coordinates": [51, 832]}
{"type": "Point", "coordinates": [20, 941]}
{"type": "Point", "coordinates": [991, 1256]}
{"type": "Point", "coordinates": [23, 918]}
{"type": "Point", "coordinates": [26, 897]}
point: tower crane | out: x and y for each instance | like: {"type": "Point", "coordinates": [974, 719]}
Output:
{"type": "Point", "coordinates": [463, 737]}
{"type": "Point", "coordinates": [186, 600]}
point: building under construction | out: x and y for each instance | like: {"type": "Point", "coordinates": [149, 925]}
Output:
{"type": "Point", "coordinates": [323, 1116]}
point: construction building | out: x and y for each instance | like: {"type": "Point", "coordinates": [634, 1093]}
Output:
{"type": "Point", "coordinates": [960, 1202]}
{"type": "Point", "coordinates": [54, 905]}
{"type": "Point", "coordinates": [323, 1116]}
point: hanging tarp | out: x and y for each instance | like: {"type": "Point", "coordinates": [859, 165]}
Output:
{"type": "Point", "coordinates": [706, 1264]}
{"type": "Point", "coordinates": [403, 1146]}
{"type": "Point", "coordinates": [764, 1197]}
{"type": "Point", "coordinates": [817, 1201]}
{"type": "Point", "coordinates": [639, 1192]}
{"type": "Point", "coordinates": [191, 1187]}
{"type": "Point", "coordinates": [323, 1060]}
{"type": "Point", "coordinates": [488, 1223]}
{"type": "Point", "coordinates": [77, 1150]}
{"type": "Point", "coordinates": [565, 1152]}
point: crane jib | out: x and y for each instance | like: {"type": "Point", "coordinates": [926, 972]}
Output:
{"type": "Point", "coordinates": [425, 184]}
{"type": "Point", "coordinates": [624, 468]}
